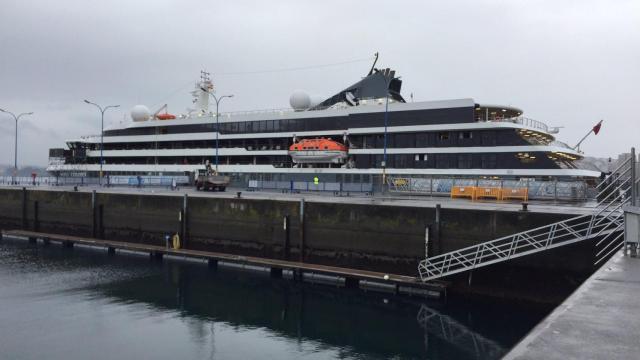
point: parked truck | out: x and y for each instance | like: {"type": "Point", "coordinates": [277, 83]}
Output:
{"type": "Point", "coordinates": [209, 179]}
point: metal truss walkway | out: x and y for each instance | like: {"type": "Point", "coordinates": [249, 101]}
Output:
{"type": "Point", "coordinates": [605, 225]}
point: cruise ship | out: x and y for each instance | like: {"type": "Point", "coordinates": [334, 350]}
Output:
{"type": "Point", "coordinates": [361, 134]}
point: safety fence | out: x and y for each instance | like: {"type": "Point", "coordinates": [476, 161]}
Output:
{"type": "Point", "coordinates": [488, 192]}
{"type": "Point", "coordinates": [119, 180]}
{"type": "Point", "coordinates": [536, 189]}
{"type": "Point", "coordinates": [297, 186]}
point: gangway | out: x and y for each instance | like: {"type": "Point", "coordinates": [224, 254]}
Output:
{"type": "Point", "coordinates": [605, 224]}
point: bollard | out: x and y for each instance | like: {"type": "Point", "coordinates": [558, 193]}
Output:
{"type": "Point", "coordinates": [238, 194]}
{"type": "Point", "coordinates": [525, 206]}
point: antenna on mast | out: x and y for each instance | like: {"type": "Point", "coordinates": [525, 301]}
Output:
{"type": "Point", "coordinates": [374, 64]}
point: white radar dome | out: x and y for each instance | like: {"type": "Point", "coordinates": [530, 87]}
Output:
{"type": "Point", "coordinates": [300, 100]}
{"type": "Point", "coordinates": [140, 113]}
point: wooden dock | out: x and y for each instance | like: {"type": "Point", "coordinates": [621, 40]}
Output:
{"type": "Point", "coordinates": [353, 277]}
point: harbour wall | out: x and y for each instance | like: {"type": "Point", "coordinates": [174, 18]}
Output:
{"type": "Point", "coordinates": [378, 237]}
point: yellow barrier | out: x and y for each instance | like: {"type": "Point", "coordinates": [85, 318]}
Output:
{"type": "Point", "coordinates": [517, 194]}
{"type": "Point", "coordinates": [487, 192]}
{"type": "Point", "coordinates": [463, 191]}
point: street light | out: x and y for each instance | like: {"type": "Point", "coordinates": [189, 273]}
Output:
{"type": "Point", "coordinates": [102, 111]}
{"type": "Point", "coordinates": [15, 151]}
{"type": "Point", "coordinates": [218, 100]}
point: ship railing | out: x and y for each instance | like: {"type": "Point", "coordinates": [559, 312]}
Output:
{"type": "Point", "coordinates": [560, 144]}
{"type": "Point", "coordinates": [522, 120]}
{"type": "Point", "coordinates": [310, 186]}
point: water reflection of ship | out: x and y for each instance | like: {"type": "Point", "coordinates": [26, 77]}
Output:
{"type": "Point", "coordinates": [355, 323]}
{"type": "Point", "coordinates": [457, 334]}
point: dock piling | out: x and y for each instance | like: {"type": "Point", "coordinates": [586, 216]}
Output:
{"type": "Point", "coordinates": [184, 228]}
{"type": "Point", "coordinates": [101, 221]}
{"type": "Point", "coordinates": [94, 225]}
{"type": "Point", "coordinates": [287, 234]}
{"type": "Point", "coordinates": [436, 230]}
{"type": "Point", "coordinates": [213, 264]}
{"type": "Point", "coordinates": [276, 272]}
{"type": "Point", "coordinates": [24, 208]}
{"type": "Point", "coordinates": [155, 255]}
{"type": "Point", "coordinates": [351, 283]}
{"type": "Point", "coordinates": [302, 222]}
{"type": "Point", "coordinates": [36, 225]}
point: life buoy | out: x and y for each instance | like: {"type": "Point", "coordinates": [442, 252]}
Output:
{"type": "Point", "coordinates": [176, 241]}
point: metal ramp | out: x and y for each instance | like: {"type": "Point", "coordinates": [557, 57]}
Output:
{"type": "Point", "coordinates": [606, 225]}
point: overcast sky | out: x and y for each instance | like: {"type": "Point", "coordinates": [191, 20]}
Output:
{"type": "Point", "coordinates": [566, 63]}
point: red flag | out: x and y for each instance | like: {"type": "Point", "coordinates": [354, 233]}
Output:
{"type": "Point", "coordinates": [596, 129]}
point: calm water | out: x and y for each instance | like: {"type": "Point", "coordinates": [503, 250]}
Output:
{"type": "Point", "coordinates": [79, 303]}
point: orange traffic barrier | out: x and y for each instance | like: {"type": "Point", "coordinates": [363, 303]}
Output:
{"type": "Point", "coordinates": [515, 193]}
{"type": "Point", "coordinates": [487, 192]}
{"type": "Point", "coordinates": [463, 191]}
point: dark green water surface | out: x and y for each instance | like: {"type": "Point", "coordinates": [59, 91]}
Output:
{"type": "Point", "coordinates": [79, 303]}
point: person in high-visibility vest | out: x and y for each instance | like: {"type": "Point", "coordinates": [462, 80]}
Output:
{"type": "Point", "coordinates": [316, 181]}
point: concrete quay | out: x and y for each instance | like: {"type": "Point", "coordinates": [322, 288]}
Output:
{"type": "Point", "coordinates": [386, 234]}
{"type": "Point", "coordinates": [600, 320]}
{"type": "Point", "coordinates": [390, 199]}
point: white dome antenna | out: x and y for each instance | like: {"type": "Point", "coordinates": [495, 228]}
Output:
{"type": "Point", "coordinates": [300, 100]}
{"type": "Point", "coordinates": [140, 113]}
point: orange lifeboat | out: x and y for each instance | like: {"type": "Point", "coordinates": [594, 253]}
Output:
{"type": "Point", "coordinates": [309, 151]}
{"type": "Point", "coordinates": [165, 116]}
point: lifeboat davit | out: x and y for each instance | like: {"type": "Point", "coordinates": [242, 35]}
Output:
{"type": "Point", "coordinates": [165, 116]}
{"type": "Point", "coordinates": [312, 151]}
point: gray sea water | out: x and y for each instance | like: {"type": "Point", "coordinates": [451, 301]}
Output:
{"type": "Point", "coordinates": [80, 303]}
